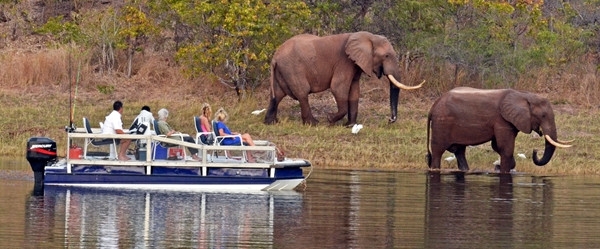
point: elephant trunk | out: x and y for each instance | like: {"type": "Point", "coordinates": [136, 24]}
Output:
{"type": "Point", "coordinates": [394, 96]}
{"type": "Point", "coordinates": [395, 87]}
{"type": "Point", "coordinates": [548, 152]}
{"type": "Point", "coordinates": [551, 143]}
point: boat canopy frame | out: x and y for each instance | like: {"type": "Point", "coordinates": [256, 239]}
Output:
{"type": "Point", "coordinates": [206, 151]}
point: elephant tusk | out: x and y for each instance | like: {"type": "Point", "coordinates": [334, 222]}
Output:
{"type": "Point", "coordinates": [402, 86]}
{"type": "Point", "coordinates": [549, 139]}
{"type": "Point", "coordinates": [565, 142]}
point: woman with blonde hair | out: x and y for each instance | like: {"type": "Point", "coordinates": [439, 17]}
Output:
{"type": "Point", "coordinates": [222, 130]}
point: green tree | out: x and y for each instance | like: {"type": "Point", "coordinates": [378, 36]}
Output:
{"type": "Point", "coordinates": [104, 31]}
{"type": "Point", "coordinates": [93, 31]}
{"type": "Point", "coordinates": [492, 43]}
{"type": "Point", "coordinates": [238, 38]}
{"type": "Point", "coordinates": [136, 28]}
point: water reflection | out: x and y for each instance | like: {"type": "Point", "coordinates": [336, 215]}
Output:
{"type": "Point", "coordinates": [338, 209]}
{"type": "Point", "coordinates": [91, 218]}
{"type": "Point", "coordinates": [459, 210]}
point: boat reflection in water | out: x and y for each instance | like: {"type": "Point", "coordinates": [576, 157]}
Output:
{"type": "Point", "coordinates": [92, 218]}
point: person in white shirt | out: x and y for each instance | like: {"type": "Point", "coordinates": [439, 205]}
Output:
{"type": "Point", "coordinates": [145, 116]}
{"type": "Point", "coordinates": [114, 125]}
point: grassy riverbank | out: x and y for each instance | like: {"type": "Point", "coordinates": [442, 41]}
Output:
{"type": "Point", "coordinates": [44, 111]}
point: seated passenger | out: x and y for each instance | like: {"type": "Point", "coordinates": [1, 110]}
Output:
{"type": "Point", "coordinates": [113, 125]}
{"type": "Point", "coordinates": [166, 129]}
{"type": "Point", "coordinates": [143, 120]}
{"type": "Point", "coordinates": [222, 130]}
{"type": "Point", "coordinates": [205, 124]}
{"type": "Point", "coordinates": [204, 121]}
{"type": "Point", "coordinates": [145, 116]}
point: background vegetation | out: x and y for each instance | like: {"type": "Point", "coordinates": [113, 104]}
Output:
{"type": "Point", "coordinates": [83, 55]}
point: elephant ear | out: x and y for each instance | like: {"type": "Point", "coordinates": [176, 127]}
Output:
{"type": "Point", "coordinates": [514, 108]}
{"type": "Point", "coordinates": [359, 49]}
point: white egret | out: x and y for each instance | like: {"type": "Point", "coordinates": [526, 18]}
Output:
{"type": "Point", "coordinates": [450, 158]}
{"type": "Point", "coordinates": [258, 112]}
{"type": "Point", "coordinates": [497, 162]}
{"type": "Point", "coordinates": [356, 128]}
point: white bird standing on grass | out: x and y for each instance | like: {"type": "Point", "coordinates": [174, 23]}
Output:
{"type": "Point", "coordinates": [450, 158]}
{"type": "Point", "coordinates": [258, 112]}
{"type": "Point", "coordinates": [497, 162]}
{"type": "Point", "coordinates": [356, 128]}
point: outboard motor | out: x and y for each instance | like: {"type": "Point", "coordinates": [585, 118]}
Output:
{"type": "Point", "coordinates": [41, 151]}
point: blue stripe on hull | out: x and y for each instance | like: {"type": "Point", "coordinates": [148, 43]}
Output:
{"type": "Point", "coordinates": [154, 179]}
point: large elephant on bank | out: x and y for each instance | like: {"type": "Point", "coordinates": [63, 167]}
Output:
{"type": "Point", "coordinates": [468, 116]}
{"type": "Point", "coordinates": [307, 64]}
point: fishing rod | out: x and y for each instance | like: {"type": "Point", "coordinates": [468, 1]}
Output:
{"type": "Point", "coordinates": [71, 127]}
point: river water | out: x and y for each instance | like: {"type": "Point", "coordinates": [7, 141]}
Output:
{"type": "Point", "coordinates": [337, 209]}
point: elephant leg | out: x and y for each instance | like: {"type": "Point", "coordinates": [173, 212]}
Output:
{"type": "Point", "coordinates": [507, 162]}
{"type": "Point", "coordinates": [461, 159]}
{"type": "Point", "coordinates": [435, 158]}
{"type": "Point", "coordinates": [271, 116]}
{"type": "Point", "coordinates": [343, 94]}
{"type": "Point", "coordinates": [495, 145]}
{"type": "Point", "coordinates": [353, 104]}
{"type": "Point", "coordinates": [342, 105]}
{"type": "Point", "coordinates": [495, 148]}
{"type": "Point", "coordinates": [505, 146]}
{"type": "Point", "coordinates": [307, 117]}
{"type": "Point", "coordinates": [276, 96]}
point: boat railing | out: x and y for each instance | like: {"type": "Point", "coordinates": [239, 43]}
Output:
{"type": "Point", "coordinates": [204, 151]}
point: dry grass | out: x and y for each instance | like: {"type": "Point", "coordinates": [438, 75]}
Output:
{"type": "Point", "coordinates": [38, 105]}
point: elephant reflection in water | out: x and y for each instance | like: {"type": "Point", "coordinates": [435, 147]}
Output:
{"type": "Point", "coordinates": [470, 211]}
{"type": "Point", "coordinates": [307, 64]}
{"type": "Point", "coordinates": [468, 116]}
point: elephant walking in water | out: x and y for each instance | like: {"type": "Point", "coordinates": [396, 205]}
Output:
{"type": "Point", "coordinates": [307, 64]}
{"type": "Point", "coordinates": [467, 116]}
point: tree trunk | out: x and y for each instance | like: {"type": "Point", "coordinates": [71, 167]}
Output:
{"type": "Point", "coordinates": [130, 52]}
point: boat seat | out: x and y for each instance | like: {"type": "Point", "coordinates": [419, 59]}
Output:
{"type": "Point", "coordinates": [166, 145]}
{"type": "Point", "coordinates": [203, 137]}
{"type": "Point", "coordinates": [98, 142]}
{"type": "Point", "coordinates": [219, 137]}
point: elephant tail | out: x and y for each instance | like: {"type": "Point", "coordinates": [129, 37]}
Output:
{"type": "Point", "coordinates": [272, 79]}
{"type": "Point", "coordinates": [428, 156]}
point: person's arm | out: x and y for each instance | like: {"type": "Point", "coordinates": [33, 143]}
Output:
{"type": "Point", "coordinates": [221, 127]}
{"type": "Point", "coordinates": [118, 126]}
{"type": "Point", "coordinates": [165, 129]}
{"type": "Point", "coordinates": [230, 132]}
{"type": "Point", "coordinates": [171, 132]}
{"type": "Point", "coordinates": [223, 133]}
